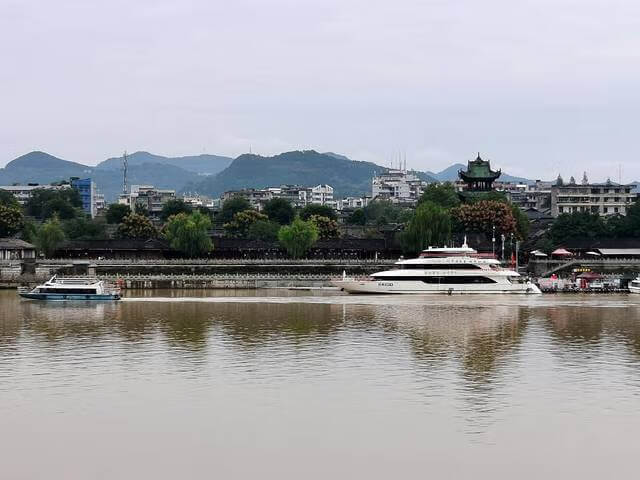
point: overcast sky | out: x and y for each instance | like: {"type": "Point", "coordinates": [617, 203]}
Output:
{"type": "Point", "coordinates": [539, 87]}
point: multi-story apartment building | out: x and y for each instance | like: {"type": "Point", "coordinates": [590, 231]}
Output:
{"type": "Point", "coordinates": [147, 197]}
{"type": "Point", "coordinates": [87, 191]}
{"type": "Point", "coordinates": [607, 198]}
{"type": "Point", "coordinates": [398, 186]}
{"type": "Point", "coordinates": [527, 195]}
{"type": "Point", "coordinates": [298, 196]}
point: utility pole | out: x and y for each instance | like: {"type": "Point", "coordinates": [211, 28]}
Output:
{"type": "Point", "coordinates": [125, 165]}
{"type": "Point", "coordinates": [502, 238]}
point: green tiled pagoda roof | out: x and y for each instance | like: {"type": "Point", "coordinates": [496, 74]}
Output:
{"type": "Point", "coordinates": [479, 169]}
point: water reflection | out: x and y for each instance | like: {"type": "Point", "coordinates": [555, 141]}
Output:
{"type": "Point", "coordinates": [289, 372]}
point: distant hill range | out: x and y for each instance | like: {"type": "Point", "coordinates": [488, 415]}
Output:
{"type": "Point", "coordinates": [347, 177]}
{"type": "Point", "coordinates": [202, 164]}
{"type": "Point", "coordinates": [212, 174]}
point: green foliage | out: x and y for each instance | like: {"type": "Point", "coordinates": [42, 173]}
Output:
{"type": "Point", "coordinates": [491, 196]}
{"type": "Point", "coordinates": [174, 207]}
{"type": "Point", "coordinates": [441, 194]}
{"type": "Point", "coordinates": [188, 233]}
{"type": "Point", "coordinates": [84, 228]}
{"type": "Point", "coordinates": [327, 228]}
{"type": "Point", "coordinates": [357, 217]}
{"type": "Point", "coordinates": [29, 231]}
{"type": "Point", "coordinates": [136, 226]}
{"type": "Point", "coordinates": [523, 225]}
{"type": "Point", "coordinates": [279, 210]}
{"type": "Point", "coordinates": [8, 199]}
{"type": "Point", "coordinates": [298, 237]}
{"type": "Point", "coordinates": [46, 203]}
{"type": "Point", "coordinates": [482, 216]}
{"type": "Point", "coordinates": [11, 220]}
{"type": "Point", "coordinates": [142, 210]}
{"type": "Point", "coordinates": [430, 225]}
{"type": "Point", "coordinates": [577, 225]}
{"type": "Point", "coordinates": [116, 213]}
{"type": "Point", "coordinates": [382, 212]}
{"type": "Point", "coordinates": [231, 207]}
{"type": "Point", "coordinates": [264, 230]}
{"type": "Point", "coordinates": [242, 221]}
{"type": "Point", "coordinates": [49, 236]}
{"type": "Point", "coordinates": [319, 210]}
{"type": "Point", "coordinates": [627, 226]}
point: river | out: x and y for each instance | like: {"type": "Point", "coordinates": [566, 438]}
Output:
{"type": "Point", "coordinates": [278, 384]}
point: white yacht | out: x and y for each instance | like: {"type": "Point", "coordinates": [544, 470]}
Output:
{"type": "Point", "coordinates": [70, 289]}
{"type": "Point", "coordinates": [634, 285]}
{"type": "Point", "coordinates": [443, 270]}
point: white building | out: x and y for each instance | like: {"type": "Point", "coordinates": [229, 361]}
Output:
{"type": "Point", "coordinates": [602, 198]}
{"type": "Point", "coordinates": [299, 196]}
{"type": "Point", "coordinates": [148, 197]}
{"type": "Point", "coordinates": [322, 194]}
{"type": "Point", "coordinates": [398, 186]}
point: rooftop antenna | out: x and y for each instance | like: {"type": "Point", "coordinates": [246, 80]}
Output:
{"type": "Point", "coordinates": [620, 173]}
{"type": "Point", "coordinates": [125, 165]}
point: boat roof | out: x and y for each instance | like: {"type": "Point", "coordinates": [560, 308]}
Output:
{"type": "Point", "coordinates": [72, 281]}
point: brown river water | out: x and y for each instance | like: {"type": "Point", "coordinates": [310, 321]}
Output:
{"type": "Point", "coordinates": [279, 384]}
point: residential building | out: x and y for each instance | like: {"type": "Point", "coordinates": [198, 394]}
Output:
{"type": "Point", "coordinates": [322, 194]}
{"type": "Point", "coordinates": [147, 197]}
{"type": "Point", "coordinates": [528, 196]}
{"type": "Point", "coordinates": [87, 192]}
{"type": "Point", "coordinates": [398, 186]}
{"type": "Point", "coordinates": [605, 199]}
{"type": "Point", "coordinates": [299, 196]}
{"type": "Point", "coordinates": [23, 192]}
{"type": "Point", "coordinates": [198, 201]}
{"type": "Point", "coordinates": [256, 197]}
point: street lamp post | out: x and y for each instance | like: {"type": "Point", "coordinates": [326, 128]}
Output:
{"type": "Point", "coordinates": [502, 238]}
{"type": "Point", "coordinates": [493, 241]}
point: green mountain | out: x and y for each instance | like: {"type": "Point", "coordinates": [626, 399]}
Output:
{"type": "Point", "coordinates": [42, 168]}
{"type": "Point", "coordinates": [347, 177]}
{"type": "Point", "coordinates": [201, 164]}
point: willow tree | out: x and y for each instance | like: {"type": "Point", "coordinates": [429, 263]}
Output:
{"type": "Point", "coordinates": [298, 237]}
{"type": "Point", "coordinates": [50, 236]}
{"type": "Point", "coordinates": [430, 225]}
{"type": "Point", "coordinates": [189, 233]}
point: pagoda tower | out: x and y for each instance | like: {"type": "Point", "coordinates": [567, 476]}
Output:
{"type": "Point", "coordinates": [478, 176]}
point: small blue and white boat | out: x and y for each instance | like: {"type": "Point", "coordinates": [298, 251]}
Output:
{"type": "Point", "coordinates": [71, 289]}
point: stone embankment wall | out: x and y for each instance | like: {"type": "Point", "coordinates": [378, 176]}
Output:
{"type": "Point", "coordinates": [198, 274]}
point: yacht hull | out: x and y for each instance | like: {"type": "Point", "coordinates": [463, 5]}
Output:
{"type": "Point", "coordinates": [69, 296]}
{"type": "Point", "coordinates": [420, 288]}
{"type": "Point", "coordinates": [634, 289]}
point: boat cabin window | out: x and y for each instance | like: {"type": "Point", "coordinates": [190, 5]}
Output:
{"type": "Point", "coordinates": [449, 279]}
{"type": "Point", "coordinates": [81, 291]}
{"type": "Point", "coordinates": [440, 266]}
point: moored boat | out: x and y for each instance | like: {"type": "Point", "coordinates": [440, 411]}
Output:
{"type": "Point", "coordinates": [634, 285]}
{"type": "Point", "coordinates": [71, 289]}
{"type": "Point", "coordinates": [445, 271]}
